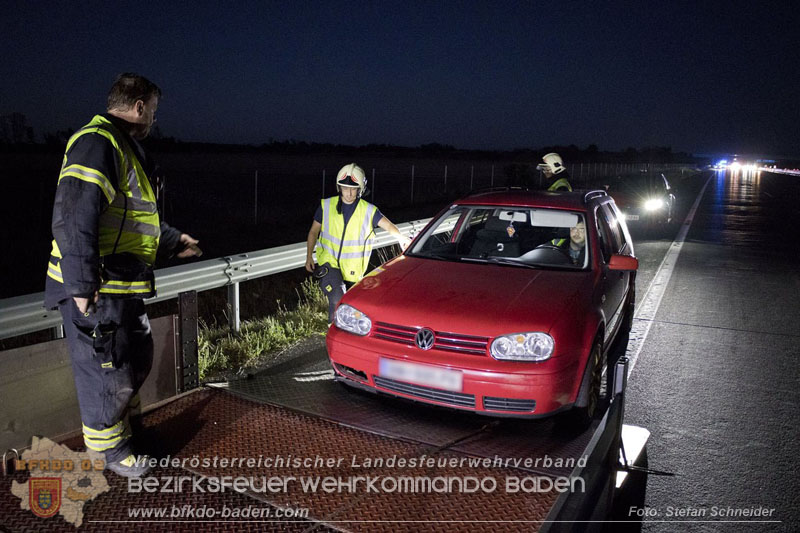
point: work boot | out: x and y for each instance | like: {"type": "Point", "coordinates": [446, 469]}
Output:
{"type": "Point", "coordinates": [130, 467]}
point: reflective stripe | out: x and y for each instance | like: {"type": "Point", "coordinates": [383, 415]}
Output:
{"type": "Point", "coordinates": [101, 445]}
{"type": "Point", "coordinates": [89, 175]}
{"type": "Point", "coordinates": [558, 242]}
{"type": "Point", "coordinates": [326, 219]}
{"type": "Point", "coordinates": [107, 433]}
{"type": "Point", "coordinates": [356, 255]}
{"type": "Point", "coordinates": [133, 183]}
{"type": "Point", "coordinates": [130, 225]}
{"type": "Point", "coordinates": [366, 224]}
{"type": "Point", "coordinates": [134, 204]}
{"type": "Point", "coordinates": [326, 248]}
{"type": "Point", "coordinates": [54, 271]}
{"type": "Point", "coordinates": [123, 287]}
{"type": "Point", "coordinates": [334, 239]}
{"type": "Point", "coordinates": [105, 439]}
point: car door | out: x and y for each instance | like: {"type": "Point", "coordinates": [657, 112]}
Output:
{"type": "Point", "coordinates": [615, 283]}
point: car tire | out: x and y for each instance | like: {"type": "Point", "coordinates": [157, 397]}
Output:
{"type": "Point", "coordinates": [587, 404]}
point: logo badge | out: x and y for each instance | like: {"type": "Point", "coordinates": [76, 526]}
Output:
{"type": "Point", "coordinates": [45, 496]}
{"type": "Point", "coordinates": [424, 339]}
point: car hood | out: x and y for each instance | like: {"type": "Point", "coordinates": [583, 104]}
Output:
{"type": "Point", "coordinates": [466, 298]}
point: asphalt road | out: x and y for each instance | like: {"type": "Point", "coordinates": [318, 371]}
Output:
{"type": "Point", "coordinates": [716, 379]}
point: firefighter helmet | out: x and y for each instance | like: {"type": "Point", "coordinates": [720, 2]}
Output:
{"type": "Point", "coordinates": [352, 175]}
{"type": "Point", "coordinates": [552, 162]}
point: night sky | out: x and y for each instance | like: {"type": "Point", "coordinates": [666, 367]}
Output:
{"type": "Point", "coordinates": [699, 77]}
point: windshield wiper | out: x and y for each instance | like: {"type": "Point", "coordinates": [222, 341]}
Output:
{"type": "Point", "coordinates": [436, 256]}
{"type": "Point", "coordinates": [509, 261]}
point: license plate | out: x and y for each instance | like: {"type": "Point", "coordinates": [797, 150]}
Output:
{"type": "Point", "coordinates": [631, 217]}
{"type": "Point", "coordinates": [429, 376]}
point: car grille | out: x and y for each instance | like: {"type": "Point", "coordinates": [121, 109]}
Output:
{"type": "Point", "coordinates": [452, 342]}
{"type": "Point", "coordinates": [458, 399]}
{"type": "Point", "coordinates": [508, 404]}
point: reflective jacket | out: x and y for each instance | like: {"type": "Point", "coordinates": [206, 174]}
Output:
{"type": "Point", "coordinates": [347, 249]}
{"type": "Point", "coordinates": [106, 226]}
{"type": "Point", "coordinates": [561, 184]}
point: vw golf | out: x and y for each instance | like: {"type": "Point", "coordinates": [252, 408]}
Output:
{"type": "Point", "coordinates": [506, 304]}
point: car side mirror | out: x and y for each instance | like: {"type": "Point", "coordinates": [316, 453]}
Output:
{"type": "Point", "coordinates": [623, 262]}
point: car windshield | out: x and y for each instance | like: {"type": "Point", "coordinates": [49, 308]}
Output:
{"type": "Point", "coordinates": [514, 236]}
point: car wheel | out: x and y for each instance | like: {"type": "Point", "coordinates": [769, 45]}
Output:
{"type": "Point", "coordinates": [587, 403]}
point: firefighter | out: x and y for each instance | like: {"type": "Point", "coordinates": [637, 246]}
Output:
{"type": "Point", "coordinates": [553, 167]}
{"type": "Point", "coordinates": [106, 232]}
{"type": "Point", "coordinates": [343, 232]}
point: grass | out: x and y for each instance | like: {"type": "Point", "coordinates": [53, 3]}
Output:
{"type": "Point", "coordinates": [222, 351]}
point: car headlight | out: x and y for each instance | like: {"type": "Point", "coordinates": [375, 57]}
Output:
{"type": "Point", "coordinates": [652, 205]}
{"type": "Point", "coordinates": [351, 319]}
{"type": "Point", "coordinates": [523, 347]}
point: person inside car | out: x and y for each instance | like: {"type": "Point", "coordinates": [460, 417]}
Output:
{"type": "Point", "coordinates": [575, 247]}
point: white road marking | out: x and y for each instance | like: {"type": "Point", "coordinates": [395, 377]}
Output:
{"type": "Point", "coordinates": [645, 312]}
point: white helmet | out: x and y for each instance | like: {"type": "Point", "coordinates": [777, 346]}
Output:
{"type": "Point", "coordinates": [352, 175]}
{"type": "Point", "coordinates": [552, 162]}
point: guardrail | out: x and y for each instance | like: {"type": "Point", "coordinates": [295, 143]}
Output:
{"type": "Point", "coordinates": [26, 314]}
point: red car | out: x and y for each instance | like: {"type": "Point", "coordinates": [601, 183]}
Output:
{"type": "Point", "coordinates": [500, 306]}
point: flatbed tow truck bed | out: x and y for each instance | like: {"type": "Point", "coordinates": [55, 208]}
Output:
{"type": "Point", "coordinates": [380, 464]}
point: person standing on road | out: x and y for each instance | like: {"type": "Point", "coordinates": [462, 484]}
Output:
{"type": "Point", "coordinates": [553, 168]}
{"type": "Point", "coordinates": [343, 232]}
{"type": "Point", "coordinates": [106, 232]}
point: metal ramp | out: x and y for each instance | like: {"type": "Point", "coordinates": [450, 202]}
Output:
{"type": "Point", "coordinates": [214, 423]}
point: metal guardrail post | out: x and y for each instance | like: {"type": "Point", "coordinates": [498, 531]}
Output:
{"type": "Point", "coordinates": [187, 371]}
{"type": "Point", "coordinates": [57, 332]}
{"type": "Point", "coordinates": [234, 319]}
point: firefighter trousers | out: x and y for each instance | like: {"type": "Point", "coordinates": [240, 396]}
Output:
{"type": "Point", "coordinates": [111, 350]}
{"type": "Point", "coordinates": [333, 285]}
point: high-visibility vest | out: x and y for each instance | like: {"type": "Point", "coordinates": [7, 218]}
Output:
{"type": "Point", "coordinates": [560, 184]}
{"type": "Point", "coordinates": [347, 249]}
{"type": "Point", "coordinates": [130, 223]}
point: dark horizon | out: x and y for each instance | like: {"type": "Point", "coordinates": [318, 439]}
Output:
{"type": "Point", "coordinates": [713, 77]}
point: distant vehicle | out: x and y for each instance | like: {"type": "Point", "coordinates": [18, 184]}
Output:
{"type": "Point", "coordinates": [487, 311]}
{"type": "Point", "coordinates": [645, 199]}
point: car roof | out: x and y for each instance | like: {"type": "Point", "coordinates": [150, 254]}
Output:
{"type": "Point", "coordinates": [578, 200]}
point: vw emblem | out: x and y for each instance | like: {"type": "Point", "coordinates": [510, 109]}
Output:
{"type": "Point", "coordinates": [424, 339]}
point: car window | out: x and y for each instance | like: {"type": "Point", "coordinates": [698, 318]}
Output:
{"type": "Point", "coordinates": [617, 238]}
{"type": "Point", "coordinates": [515, 236]}
{"type": "Point", "coordinates": [604, 238]}
{"type": "Point", "coordinates": [619, 224]}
